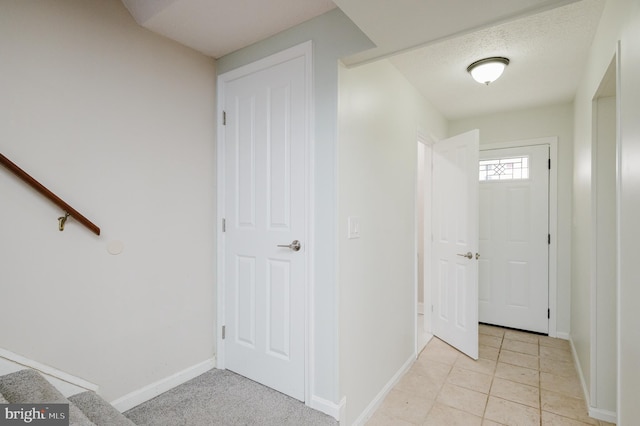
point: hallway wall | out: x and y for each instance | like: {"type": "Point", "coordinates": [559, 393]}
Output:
{"type": "Point", "coordinates": [380, 115]}
{"type": "Point", "coordinates": [620, 23]}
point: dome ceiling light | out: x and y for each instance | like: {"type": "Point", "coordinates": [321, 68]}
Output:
{"type": "Point", "coordinates": [487, 70]}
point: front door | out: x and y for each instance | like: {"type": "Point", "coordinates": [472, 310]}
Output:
{"type": "Point", "coordinates": [264, 181]}
{"type": "Point", "coordinates": [455, 241]}
{"type": "Point", "coordinates": [514, 232]}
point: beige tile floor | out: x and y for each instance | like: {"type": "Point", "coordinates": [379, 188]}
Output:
{"type": "Point", "coordinates": [520, 379]}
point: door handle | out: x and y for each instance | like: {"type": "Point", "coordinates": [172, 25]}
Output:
{"type": "Point", "coordinates": [295, 245]}
{"type": "Point", "coordinates": [468, 255]}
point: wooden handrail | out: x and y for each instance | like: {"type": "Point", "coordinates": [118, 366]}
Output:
{"type": "Point", "coordinates": [50, 195]}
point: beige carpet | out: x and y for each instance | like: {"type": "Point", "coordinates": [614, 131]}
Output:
{"type": "Point", "coordinates": [220, 397]}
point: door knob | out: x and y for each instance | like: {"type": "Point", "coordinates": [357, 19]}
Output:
{"type": "Point", "coordinates": [468, 255]}
{"type": "Point", "coordinates": [295, 245]}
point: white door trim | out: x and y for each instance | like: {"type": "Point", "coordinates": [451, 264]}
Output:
{"type": "Point", "coordinates": [427, 140]}
{"type": "Point", "coordinates": [597, 336]}
{"type": "Point", "coordinates": [553, 218]}
{"type": "Point", "coordinates": [302, 50]}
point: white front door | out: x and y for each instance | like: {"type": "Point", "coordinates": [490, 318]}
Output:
{"type": "Point", "coordinates": [514, 230]}
{"type": "Point", "coordinates": [264, 181]}
{"type": "Point", "coordinates": [455, 241]}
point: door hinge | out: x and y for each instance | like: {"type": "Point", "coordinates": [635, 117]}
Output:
{"type": "Point", "coordinates": [549, 163]}
{"type": "Point", "coordinates": [548, 313]}
{"type": "Point", "coordinates": [224, 225]}
{"type": "Point", "coordinates": [224, 118]}
{"type": "Point", "coordinates": [224, 331]}
{"type": "Point", "coordinates": [548, 238]}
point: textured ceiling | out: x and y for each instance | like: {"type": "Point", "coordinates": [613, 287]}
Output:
{"type": "Point", "coordinates": [396, 25]}
{"type": "Point", "coordinates": [547, 51]}
{"type": "Point", "coordinates": [218, 27]}
{"type": "Point", "coordinates": [546, 40]}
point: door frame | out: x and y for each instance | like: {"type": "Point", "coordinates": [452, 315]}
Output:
{"type": "Point", "coordinates": [597, 315]}
{"type": "Point", "coordinates": [426, 140]}
{"type": "Point", "coordinates": [552, 141]}
{"type": "Point", "coordinates": [301, 50]}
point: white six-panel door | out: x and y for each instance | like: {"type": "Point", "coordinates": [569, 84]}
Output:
{"type": "Point", "coordinates": [455, 241]}
{"type": "Point", "coordinates": [264, 208]}
{"type": "Point", "coordinates": [514, 228]}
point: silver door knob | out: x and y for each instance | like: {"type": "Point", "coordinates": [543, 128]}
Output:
{"type": "Point", "coordinates": [469, 255]}
{"type": "Point", "coordinates": [295, 245]}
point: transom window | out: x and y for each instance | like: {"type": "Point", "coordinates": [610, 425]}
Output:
{"type": "Point", "coordinates": [512, 168]}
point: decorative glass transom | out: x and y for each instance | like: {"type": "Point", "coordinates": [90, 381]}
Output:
{"type": "Point", "coordinates": [504, 169]}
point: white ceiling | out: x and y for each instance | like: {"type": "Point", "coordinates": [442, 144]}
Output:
{"type": "Point", "coordinates": [396, 25]}
{"type": "Point", "coordinates": [430, 41]}
{"type": "Point", "coordinates": [547, 51]}
{"type": "Point", "coordinates": [218, 27]}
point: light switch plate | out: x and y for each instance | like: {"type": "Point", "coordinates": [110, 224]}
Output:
{"type": "Point", "coordinates": [353, 226]}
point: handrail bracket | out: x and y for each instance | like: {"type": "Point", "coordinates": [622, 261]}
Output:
{"type": "Point", "coordinates": [62, 220]}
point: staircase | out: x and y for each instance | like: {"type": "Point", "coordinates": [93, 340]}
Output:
{"type": "Point", "coordinates": [85, 409]}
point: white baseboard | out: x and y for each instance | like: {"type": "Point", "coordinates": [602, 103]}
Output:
{"type": "Point", "coordinates": [596, 413]}
{"type": "Point", "coordinates": [343, 411]}
{"type": "Point", "coordinates": [562, 335]}
{"type": "Point", "coordinates": [327, 407]}
{"type": "Point", "coordinates": [148, 392]}
{"type": "Point", "coordinates": [375, 403]}
{"type": "Point", "coordinates": [423, 341]}
{"type": "Point", "coordinates": [66, 383]}
{"type": "Point", "coordinates": [604, 415]}
{"type": "Point", "coordinates": [583, 382]}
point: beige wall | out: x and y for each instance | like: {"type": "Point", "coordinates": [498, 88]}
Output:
{"type": "Point", "coordinates": [380, 114]}
{"type": "Point", "coordinates": [118, 122]}
{"type": "Point", "coordinates": [553, 120]}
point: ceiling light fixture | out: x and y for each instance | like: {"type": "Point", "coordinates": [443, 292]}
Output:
{"type": "Point", "coordinates": [487, 70]}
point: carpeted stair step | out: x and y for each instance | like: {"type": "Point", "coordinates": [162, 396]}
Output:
{"type": "Point", "coordinates": [28, 386]}
{"type": "Point", "coordinates": [98, 410]}
{"type": "Point", "coordinates": [2, 400]}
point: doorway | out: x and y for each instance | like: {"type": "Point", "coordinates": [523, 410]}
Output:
{"type": "Point", "coordinates": [514, 237]}
{"type": "Point", "coordinates": [603, 369]}
{"type": "Point", "coordinates": [551, 144]}
{"type": "Point", "coordinates": [423, 241]}
{"type": "Point", "coordinates": [263, 207]}
{"type": "Point", "coordinates": [551, 238]}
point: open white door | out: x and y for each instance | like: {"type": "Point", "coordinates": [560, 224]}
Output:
{"type": "Point", "coordinates": [455, 241]}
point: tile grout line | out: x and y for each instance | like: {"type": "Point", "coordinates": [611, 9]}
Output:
{"type": "Point", "coordinates": [539, 383]}
{"type": "Point", "coordinates": [440, 390]}
{"type": "Point", "coordinates": [493, 376]}
{"type": "Point", "coordinates": [500, 350]}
